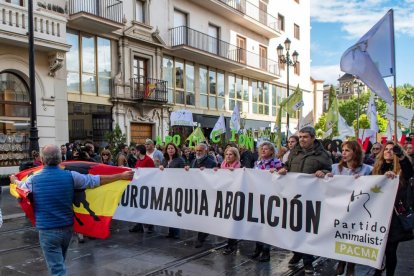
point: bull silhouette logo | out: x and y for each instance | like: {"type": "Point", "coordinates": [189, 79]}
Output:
{"type": "Point", "coordinates": [359, 198]}
{"type": "Point", "coordinates": [79, 198]}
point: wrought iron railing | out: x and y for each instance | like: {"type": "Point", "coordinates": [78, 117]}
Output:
{"type": "Point", "coordinates": [185, 36]}
{"type": "Point", "coordinates": [254, 12]}
{"type": "Point", "coordinates": [108, 9]}
{"type": "Point", "coordinates": [144, 88]}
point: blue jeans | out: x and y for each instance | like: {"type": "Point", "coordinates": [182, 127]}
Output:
{"type": "Point", "coordinates": [55, 244]}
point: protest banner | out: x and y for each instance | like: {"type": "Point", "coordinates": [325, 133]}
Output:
{"type": "Point", "coordinates": [341, 217]}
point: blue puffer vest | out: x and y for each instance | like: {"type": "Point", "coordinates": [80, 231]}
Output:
{"type": "Point", "coordinates": [53, 196]}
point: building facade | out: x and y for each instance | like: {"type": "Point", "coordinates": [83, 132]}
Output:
{"type": "Point", "coordinates": [131, 63]}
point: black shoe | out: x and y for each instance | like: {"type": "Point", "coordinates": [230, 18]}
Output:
{"type": "Point", "coordinates": [199, 244]}
{"type": "Point", "coordinates": [295, 260]}
{"type": "Point", "coordinates": [137, 229]}
{"type": "Point", "coordinates": [229, 250]}
{"type": "Point", "coordinates": [256, 253]}
{"type": "Point", "coordinates": [340, 269]}
{"type": "Point", "coordinates": [265, 256]}
{"type": "Point", "coordinates": [309, 269]}
{"type": "Point", "coordinates": [150, 229]}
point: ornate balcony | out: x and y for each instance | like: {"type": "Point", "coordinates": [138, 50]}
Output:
{"type": "Point", "coordinates": [145, 90]}
{"type": "Point", "coordinates": [245, 14]}
{"type": "Point", "coordinates": [205, 49]}
{"type": "Point", "coordinates": [49, 27]}
{"type": "Point", "coordinates": [96, 15]}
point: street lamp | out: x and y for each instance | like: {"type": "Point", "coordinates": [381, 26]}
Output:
{"type": "Point", "coordinates": [286, 59]}
{"type": "Point", "coordinates": [358, 86]}
{"type": "Point", "coordinates": [34, 138]}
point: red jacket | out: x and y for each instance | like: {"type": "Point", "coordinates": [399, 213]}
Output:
{"type": "Point", "coordinates": [147, 162]}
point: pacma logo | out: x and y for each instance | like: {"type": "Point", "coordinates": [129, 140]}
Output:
{"type": "Point", "coordinates": [363, 198]}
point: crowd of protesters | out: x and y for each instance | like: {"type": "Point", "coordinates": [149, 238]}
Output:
{"type": "Point", "coordinates": [303, 153]}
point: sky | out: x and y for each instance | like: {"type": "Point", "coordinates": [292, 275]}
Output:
{"type": "Point", "coordinates": [338, 24]}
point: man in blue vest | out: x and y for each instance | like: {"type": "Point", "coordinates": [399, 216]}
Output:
{"type": "Point", "coordinates": [53, 190]}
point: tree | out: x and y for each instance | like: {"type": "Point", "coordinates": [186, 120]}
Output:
{"type": "Point", "coordinates": [115, 139]}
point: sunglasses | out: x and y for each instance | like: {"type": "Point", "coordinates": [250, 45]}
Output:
{"type": "Point", "coordinates": [376, 149]}
{"type": "Point", "coordinates": [105, 154]}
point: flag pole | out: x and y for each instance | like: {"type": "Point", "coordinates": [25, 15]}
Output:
{"type": "Point", "coordinates": [395, 76]}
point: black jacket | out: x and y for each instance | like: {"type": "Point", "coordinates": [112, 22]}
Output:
{"type": "Point", "coordinates": [205, 162]}
{"type": "Point", "coordinates": [404, 198]}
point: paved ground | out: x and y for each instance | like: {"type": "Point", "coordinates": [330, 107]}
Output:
{"type": "Point", "coordinates": [127, 253]}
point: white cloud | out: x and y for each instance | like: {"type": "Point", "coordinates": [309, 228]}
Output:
{"type": "Point", "coordinates": [356, 17]}
{"type": "Point", "coordinates": [328, 73]}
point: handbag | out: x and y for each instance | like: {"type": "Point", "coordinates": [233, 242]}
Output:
{"type": "Point", "coordinates": [406, 219]}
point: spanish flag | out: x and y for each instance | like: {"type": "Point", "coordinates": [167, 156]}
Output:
{"type": "Point", "coordinates": [93, 208]}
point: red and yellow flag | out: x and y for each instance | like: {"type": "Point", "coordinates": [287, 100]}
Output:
{"type": "Point", "coordinates": [93, 208]}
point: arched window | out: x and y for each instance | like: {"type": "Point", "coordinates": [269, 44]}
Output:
{"type": "Point", "coordinates": [14, 96]}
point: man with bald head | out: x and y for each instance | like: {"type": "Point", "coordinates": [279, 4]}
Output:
{"type": "Point", "coordinates": [53, 190]}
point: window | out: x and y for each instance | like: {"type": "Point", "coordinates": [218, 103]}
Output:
{"type": "Point", "coordinates": [263, 57]}
{"type": "Point", "coordinates": [14, 96]}
{"type": "Point", "coordinates": [297, 68]}
{"type": "Point", "coordinates": [140, 11]}
{"type": "Point", "coordinates": [211, 88]}
{"type": "Point", "coordinates": [296, 30]}
{"type": "Point", "coordinates": [139, 74]}
{"type": "Point", "coordinates": [167, 65]}
{"type": "Point", "coordinates": [88, 72]}
{"type": "Point", "coordinates": [260, 97]}
{"type": "Point", "coordinates": [179, 75]}
{"type": "Point", "coordinates": [281, 22]}
{"type": "Point", "coordinates": [16, 2]}
{"type": "Point", "coordinates": [238, 93]}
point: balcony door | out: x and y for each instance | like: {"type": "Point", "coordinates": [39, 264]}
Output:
{"type": "Point", "coordinates": [213, 35]}
{"type": "Point", "coordinates": [241, 49]}
{"type": "Point", "coordinates": [180, 28]}
{"type": "Point", "coordinates": [263, 12]}
{"type": "Point", "coordinates": [263, 57]}
{"type": "Point", "coordinates": [140, 69]}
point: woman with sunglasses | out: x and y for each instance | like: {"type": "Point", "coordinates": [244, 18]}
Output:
{"type": "Point", "coordinates": [392, 162]}
{"type": "Point", "coordinates": [106, 157]}
{"type": "Point", "coordinates": [350, 164]}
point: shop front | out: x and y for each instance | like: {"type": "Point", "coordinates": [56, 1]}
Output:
{"type": "Point", "coordinates": [14, 120]}
{"type": "Point", "coordinates": [89, 122]}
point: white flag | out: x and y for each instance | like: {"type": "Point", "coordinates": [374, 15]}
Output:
{"type": "Point", "coordinates": [390, 130]}
{"type": "Point", "coordinates": [235, 118]}
{"type": "Point", "coordinates": [372, 114]}
{"type": "Point", "coordinates": [344, 129]}
{"type": "Point", "coordinates": [327, 133]}
{"type": "Point", "coordinates": [404, 115]}
{"type": "Point", "coordinates": [219, 127]}
{"type": "Point", "coordinates": [182, 118]}
{"type": "Point", "coordinates": [307, 121]}
{"type": "Point", "coordinates": [372, 57]}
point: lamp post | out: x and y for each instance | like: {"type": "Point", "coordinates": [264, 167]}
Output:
{"type": "Point", "coordinates": [358, 86]}
{"type": "Point", "coordinates": [286, 59]}
{"type": "Point", "coordinates": [34, 138]}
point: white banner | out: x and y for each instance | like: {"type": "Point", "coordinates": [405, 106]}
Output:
{"type": "Point", "coordinates": [341, 217]}
{"type": "Point", "coordinates": [182, 118]}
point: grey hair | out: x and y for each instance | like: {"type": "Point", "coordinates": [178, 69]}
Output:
{"type": "Point", "coordinates": [51, 155]}
{"type": "Point", "coordinates": [310, 130]}
{"type": "Point", "coordinates": [270, 146]}
{"type": "Point", "coordinates": [203, 145]}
